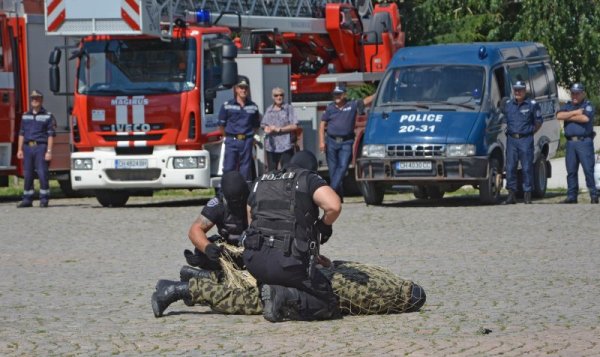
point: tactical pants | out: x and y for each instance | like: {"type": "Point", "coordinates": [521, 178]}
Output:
{"type": "Point", "coordinates": [34, 161]}
{"type": "Point", "coordinates": [362, 290]}
{"type": "Point", "coordinates": [519, 150]}
{"type": "Point", "coordinates": [580, 152]}
{"type": "Point", "coordinates": [269, 266]}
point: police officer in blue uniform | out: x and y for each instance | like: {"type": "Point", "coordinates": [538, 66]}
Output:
{"type": "Point", "coordinates": [36, 138]}
{"type": "Point", "coordinates": [281, 245]}
{"type": "Point", "coordinates": [523, 119]}
{"type": "Point", "coordinates": [239, 119]}
{"type": "Point", "coordinates": [339, 118]}
{"type": "Point", "coordinates": [578, 116]}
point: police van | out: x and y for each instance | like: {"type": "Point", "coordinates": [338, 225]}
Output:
{"type": "Point", "coordinates": [436, 123]}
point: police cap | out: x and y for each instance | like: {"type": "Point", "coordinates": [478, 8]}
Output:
{"type": "Point", "coordinates": [577, 88]}
{"type": "Point", "coordinates": [36, 94]}
{"type": "Point", "coordinates": [519, 85]}
{"type": "Point", "coordinates": [339, 89]}
{"type": "Point", "coordinates": [242, 83]}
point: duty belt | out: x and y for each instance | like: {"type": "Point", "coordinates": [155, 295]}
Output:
{"type": "Point", "coordinates": [35, 143]}
{"type": "Point", "coordinates": [238, 136]}
{"type": "Point", "coordinates": [578, 138]}
{"type": "Point", "coordinates": [339, 139]}
{"type": "Point", "coordinates": [519, 136]}
{"type": "Point", "coordinates": [273, 242]}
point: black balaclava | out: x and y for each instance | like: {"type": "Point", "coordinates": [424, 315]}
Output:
{"type": "Point", "coordinates": [235, 190]}
{"type": "Point", "coordinates": [306, 160]}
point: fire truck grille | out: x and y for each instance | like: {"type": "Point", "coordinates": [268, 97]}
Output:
{"type": "Point", "coordinates": [133, 175]}
{"type": "Point", "coordinates": [415, 150]}
{"type": "Point", "coordinates": [134, 137]}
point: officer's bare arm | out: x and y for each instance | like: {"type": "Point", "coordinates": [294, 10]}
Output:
{"type": "Point", "coordinates": [326, 198]}
{"type": "Point", "coordinates": [322, 136]}
{"type": "Point", "coordinates": [249, 213]}
{"type": "Point", "coordinates": [20, 147]}
{"type": "Point", "coordinates": [197, 233]}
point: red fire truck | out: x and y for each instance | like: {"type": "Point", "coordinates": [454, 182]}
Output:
{"type": "Point", "coordinates": [148, 89]}
{"type": "Point", "coordinates": [24, 49]}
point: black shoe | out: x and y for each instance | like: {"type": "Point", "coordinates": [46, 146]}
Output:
{"type": "Point", "coordinates": [167, 292]}
{"type": "Point", "coordinates": [44, 204]}
{"type": "Point", "coordinates": [527, 197]}
{"type": "Point", "coordinates": [417, 298]}
{"type": "Point", "coordinates": [187, 272]}
{"type": "Point", "coordinates": [24, 204]}
{"type": "Point", "coordinates": [510, 200]}
{"type": "Point", "coordinates": [569, 201]}
{"type": "Point", "coordinates": [594, 200]}
{"type": "Point", "coordinates": [279, 303]}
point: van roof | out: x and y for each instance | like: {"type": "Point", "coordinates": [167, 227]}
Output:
{"type": "Point", "coordinates": [469, 53]}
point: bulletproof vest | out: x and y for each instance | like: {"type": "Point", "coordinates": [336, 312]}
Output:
{"type": "Point", "coordinates": [235, 222]}
{"type": "Point", "coordinates": [283, 206]}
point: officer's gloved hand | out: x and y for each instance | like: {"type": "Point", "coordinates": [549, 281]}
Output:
{"type": "Point", "coordinates": [213, 252]}
{"type": "Point", "coordinates": [326, 230]}
{"type": "Point", "coordinates": [224, 233]}
{"type": "Point", "coordinates": [193, 259]}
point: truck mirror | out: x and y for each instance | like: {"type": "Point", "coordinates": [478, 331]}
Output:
{"type": "Point", "coordinates": [229, 75]}
{"type": "Point", "coordinates": [54, 78]}
{"type": "Point", "coordinates": [55, 56]}
{"type": "Point", "coordinates": [229, 51]}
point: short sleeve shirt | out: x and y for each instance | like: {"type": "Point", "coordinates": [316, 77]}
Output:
{"type": "Point", "coordinates": [340, 121]}
{"type": "Point", "coordinates": [279, 142]}
{"type": "Point", "coordinates": [237, 119]}
{"type": "Point", "coordinates": [38, 127]}
{"type": "Point", "coordinates": [214, 211]}
{"type": "Point", "coordinates": [579, 129]}
{"type": "Point", "coordinates": [521, 118]}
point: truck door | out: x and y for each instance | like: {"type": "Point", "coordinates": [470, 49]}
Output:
{"type": "Point", "coordinates": [7, 94]}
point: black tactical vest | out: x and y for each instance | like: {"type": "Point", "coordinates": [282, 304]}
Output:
{"type": "Point", "coordinates": [283, 207]}
{"type": "Point", "coordinates": [235, 222]}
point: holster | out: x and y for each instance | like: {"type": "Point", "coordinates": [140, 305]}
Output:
{"type": "Point", "coordinates": [252, 239]}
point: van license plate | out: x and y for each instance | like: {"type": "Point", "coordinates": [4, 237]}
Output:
{"type": "Point", "coordinates": [131, 164]}
{"type": "Point", "coordinates": [413, 165]}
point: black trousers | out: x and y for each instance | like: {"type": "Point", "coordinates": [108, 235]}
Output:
{"type": "Point", "coordinates": [275, 158]}
{"type": "Point", "coordinates": [269, 266]}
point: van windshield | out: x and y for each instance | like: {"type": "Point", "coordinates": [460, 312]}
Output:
{"type": "Point", "coordinates": [429, 87]}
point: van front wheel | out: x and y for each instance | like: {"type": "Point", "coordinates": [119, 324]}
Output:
{"type": "Point", "coordinates": [489, 189]}
{"type": "Point", "coordinates": [372, 192]}
{"type": "Point", "coordinates": [540, 178]}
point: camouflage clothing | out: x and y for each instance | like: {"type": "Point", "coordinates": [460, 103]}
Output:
{"type": "Point", "coordinates": [362, 289]}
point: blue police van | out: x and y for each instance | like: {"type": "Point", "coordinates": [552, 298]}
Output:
{"type": "Point", "coordinates": [436, 123]}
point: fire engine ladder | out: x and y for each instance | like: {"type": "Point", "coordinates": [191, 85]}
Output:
{"type": "Point", "coordinates": [299, 16]}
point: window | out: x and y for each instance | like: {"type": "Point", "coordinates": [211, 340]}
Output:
{"type": "Point", "coordinates": [538, 79]}
{"type": "Point", "coordinates": [519, 73]}
{"type": "Point", "coordinates": [551, 80]}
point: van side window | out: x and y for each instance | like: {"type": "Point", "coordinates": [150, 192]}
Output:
{"type": "Point", "coordinates": [539, 81]}
{"type": "Point", "coordinates": [551, 80]}
{"type": "Point", "coordinates": [519, 73]}
{"type": "Point", "coordinates": [495, 89]}
{"type": "Point", "coordinates": [501, 82]}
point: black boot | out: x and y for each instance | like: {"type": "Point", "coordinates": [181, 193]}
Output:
{"type": "Point", "coordinates": [594, 200]}
{"type": "Point", "coordinates": [187, 272]}
{"type": "Point", "coordinates": [417, 298]}
{"type": "Point", "coordinates": [167, 292]}
{"type": "Point", "coordinates": [510, 200]}
{"type": "Point", "coordinates": [527, 197]}
{"type": "Point", "coordinates": [279, 303]}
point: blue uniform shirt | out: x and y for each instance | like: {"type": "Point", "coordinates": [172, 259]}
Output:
{"type": "Point", "coordinates": [237, 119]}
{"type": "Point", "coordinates": [340, 121]}
{"type": "Point", "coordinates": [521, 118]}
{"type": "Point", "coordinates": [38, 127]}
{"type": "Point", "coordinates": [579, 129]}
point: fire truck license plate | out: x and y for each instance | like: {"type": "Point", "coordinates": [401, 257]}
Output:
{"type": "Point", "coordinates": [413, 165]}
{"type": "Point", "coordinates": [131, 164]}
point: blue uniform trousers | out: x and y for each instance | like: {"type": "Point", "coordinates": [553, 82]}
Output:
{"type": "Point", "coordinates": [339, 155]}
{"type": "Point", "coordinates": [238, 156]}
{"type": "Point", "coordinates": [33, 159]}
{"type": "Point", "coordinates": [519, 150]}
{"type": "Point", "coordinates": [580, 152]}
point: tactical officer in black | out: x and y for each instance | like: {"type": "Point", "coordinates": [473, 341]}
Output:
{"type": "Point", "coordinates": [228, 212]}
{"type": "Point", "coordinates": [36, 138]}
{"type": "Point", "coordinates": [281, 243]}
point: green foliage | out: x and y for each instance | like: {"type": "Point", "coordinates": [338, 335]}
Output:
{"type": "Point", "coordinates": [364, 90]}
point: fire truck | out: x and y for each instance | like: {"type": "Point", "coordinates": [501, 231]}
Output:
{"type": "Point", "coordinates": [24, 49]}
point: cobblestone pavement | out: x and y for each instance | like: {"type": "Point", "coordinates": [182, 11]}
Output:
{"type": "Point", "coordinates": [76, 279]}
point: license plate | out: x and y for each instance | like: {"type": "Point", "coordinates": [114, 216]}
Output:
{"type": "Point", "coordinates": [413, 165]}
{"type": "Point", "coordinates": [131, 164]}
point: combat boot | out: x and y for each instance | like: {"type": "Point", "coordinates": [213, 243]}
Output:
{"type": "Point", "coordinates": [510, 200]}
{"type": "Point", "coordinates": [594, 200]}
{"type": "Point", "coordinates": [279, 303]}
{"type": "Point", "coordinates": [24, 204]}
{"type": "Point", "coordinates": [167, 292]}
{"type": "Point", "coordinates": [187, 272]}
{"type": "Point", "coordinates": [527, 197]}
{"type": "Point", "coordinates": [417, 298]}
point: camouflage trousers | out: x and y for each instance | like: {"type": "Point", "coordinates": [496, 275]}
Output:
{"type": "Point", "coordinates": [362, 290]}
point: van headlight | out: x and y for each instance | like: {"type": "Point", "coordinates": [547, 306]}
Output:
{"type": "Point", "coordinates": [189, 162]}
{"type": "Point", "coordinates": [453, 150]}
{"type": "Point", "coordinates": [82, 164]}
{"type": "Point", "coordinates": [373, 151]}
